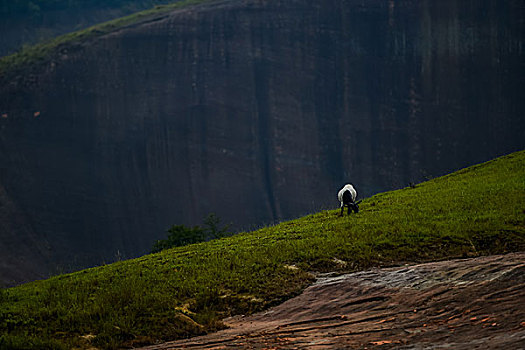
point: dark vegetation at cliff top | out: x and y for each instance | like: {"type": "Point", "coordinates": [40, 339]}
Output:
{"type": "Point", "coordinates": [35, 7]}
{"type": "Point", "coordinates": [42, 52]}
{"type": "Point", "coordinates": [27, 22]}
{"type": "Point", "coordinates": [185, 291]}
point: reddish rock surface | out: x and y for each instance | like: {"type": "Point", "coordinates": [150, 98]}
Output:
{"type": "Point", "coordinates": [458, 304]}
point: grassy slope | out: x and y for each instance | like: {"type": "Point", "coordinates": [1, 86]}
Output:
{"type": "Point", "coordinates": [40, 53]}
{"type": "Point", "coordinates": [185, 291]}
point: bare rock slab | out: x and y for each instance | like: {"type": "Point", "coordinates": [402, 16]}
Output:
{"type": "Point", "coordinates": [473, 303]}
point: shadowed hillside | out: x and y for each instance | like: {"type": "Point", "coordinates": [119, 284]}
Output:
{"type": "Point", "coordinates": [25, 22]}
{"type": "Point", "coordinates": [255, 110]}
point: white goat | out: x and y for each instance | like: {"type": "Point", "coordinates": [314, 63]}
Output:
{"type": "Point", "coordinates": [347, 196]}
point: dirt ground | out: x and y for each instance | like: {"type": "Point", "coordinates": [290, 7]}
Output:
{"type": "Point", "coordinates": [458, 304]}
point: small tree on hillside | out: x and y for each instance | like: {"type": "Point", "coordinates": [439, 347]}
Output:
{"type": "Point", "coordinates": [213, 229]}
{"type": "Point", "coordinates": [180, 235]}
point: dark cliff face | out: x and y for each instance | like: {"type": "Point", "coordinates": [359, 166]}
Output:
{"type": "Point", "coordinates": [257, 111]}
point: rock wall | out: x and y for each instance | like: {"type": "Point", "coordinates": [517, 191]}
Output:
{"type": "Point", "coordinates": [255, 110]}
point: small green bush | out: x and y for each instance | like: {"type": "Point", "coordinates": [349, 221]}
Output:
{"type": "Point", "coordinates": [180, 235]}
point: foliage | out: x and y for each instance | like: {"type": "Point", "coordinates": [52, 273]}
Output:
{"type": "Point", "coordinates": [43, 52]}
{"type": "Point", "coordinates": [34, 7]}
{"type": "Point", "coordinates": [213, 227]}
{"type": "Point", "coordinates": [185, 291]}
{"type": "Point", "coordinates": [180, 235]}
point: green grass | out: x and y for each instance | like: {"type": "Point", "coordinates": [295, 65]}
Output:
{"type": "Point", "coordinates": [185, 291]}
{"type": "Point", "coordinates": [41, 53]}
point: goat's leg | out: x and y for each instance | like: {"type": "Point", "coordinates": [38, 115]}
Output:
{"type": "Point", "coordinates": [342, 209]}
